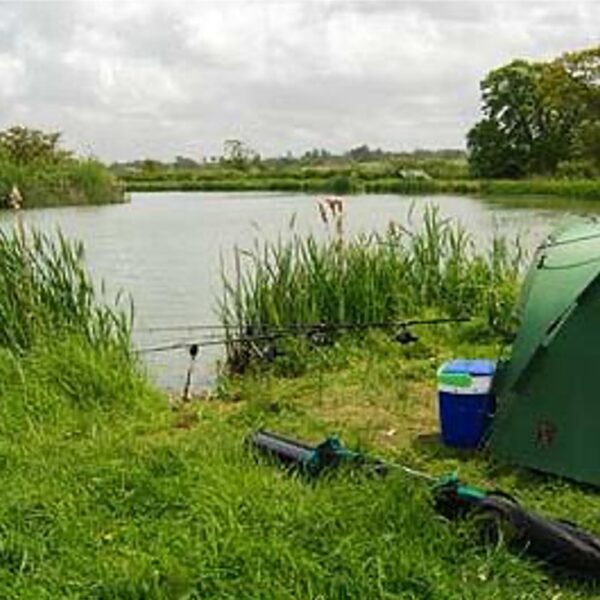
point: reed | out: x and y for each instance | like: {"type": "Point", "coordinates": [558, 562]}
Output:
{"type": "Point", "coordinates": [46, 292]}
{"type": "Point", "coordinates": [434, 269]}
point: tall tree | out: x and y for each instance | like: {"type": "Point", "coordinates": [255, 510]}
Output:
{"type": "Point", "coordinates": [239, 155]}
{"type": "Point", "coordinates": [536, 115]}
{"type": "Point", "coordinates": [583, 69]}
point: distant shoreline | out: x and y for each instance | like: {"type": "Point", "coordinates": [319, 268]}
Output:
{"type": "Point", "coordinates": [581, 189]}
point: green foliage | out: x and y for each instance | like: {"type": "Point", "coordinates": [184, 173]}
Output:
{"type": "Point", "coordinates": [491, 154]}
{"type": "Point", "coordinates": [45, 292]}
{"type": "Point", "coordinates": [341, 185]}
{"type": "Point", "coordinates": [46, 175]}
{"type": "Point", "coordinates": [22, 146]}
{"type": "Point", "coordinates": [537, 115]}
{"type": "Point", "coordinates": [586, 142]}
{"type": "Point", "coordinates": [374, 278]}
{"type": "Point", "coordinates": [578, 169]}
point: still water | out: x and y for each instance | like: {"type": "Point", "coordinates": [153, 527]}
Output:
{"type": "Point", "coordinates": [164, 249]}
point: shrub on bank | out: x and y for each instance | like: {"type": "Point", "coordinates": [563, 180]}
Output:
{"type": "Point", "coordinates": [44, 174]}
{"type": "Point", "coordinates": [75, 182]}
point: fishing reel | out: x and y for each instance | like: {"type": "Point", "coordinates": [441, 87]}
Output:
{"type": "Point", "coordinates": [405, 336]}
{"type": "Point", "coordinates": [319, 336]}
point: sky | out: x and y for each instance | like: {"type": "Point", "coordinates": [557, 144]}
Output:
{"type": "Point", "coordinates": [132, 79]}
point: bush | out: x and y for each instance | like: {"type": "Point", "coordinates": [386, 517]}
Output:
{"type": "Point", "coordinates": [46, 175]}
{"type": "Point", "coordinates": [577, 169]}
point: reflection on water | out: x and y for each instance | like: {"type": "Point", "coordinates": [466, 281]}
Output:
{"type": "Point", "coordinates": [164, 248]}
{"type": "Point", "coordinates": [547, 205]}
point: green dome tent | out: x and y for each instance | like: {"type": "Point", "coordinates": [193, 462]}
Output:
{"type": "Point", "coordinates": [548, 393]}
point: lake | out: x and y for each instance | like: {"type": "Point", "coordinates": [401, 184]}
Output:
{"type": "Point", "coordinates": [164, 249]}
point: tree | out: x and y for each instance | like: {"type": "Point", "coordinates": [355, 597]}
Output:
{"type": "Point", "coordinates": [22, 145]}
{"type": "Point", "coordinates": [359, 153]}
{"type": "Point", "coordinates": [536, 115]}
{"type": "Point", "coordinates": [512, 139]}
{"type": "Point", "coordinates": [583, 69]}
{"type": "Point", "coordinates": [184, 162]}
{"type": "Point", "coordinates": [490, 153]}
{"type": "Point", "coordinates": [151, 165]}
{"type": "Point", "coordinates": [239, 155]}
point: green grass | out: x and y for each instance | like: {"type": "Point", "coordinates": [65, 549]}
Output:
{"type": "Point", "coordinates": [124, 499]}
{"type": "Point", "coordinates": [107, 493]}
{"type": "Point", "coordinates": [585, 189]}
{"type": "Point", "coordinates": [434, 270]}
{"type": "Point", "coordinates": [69, 182]}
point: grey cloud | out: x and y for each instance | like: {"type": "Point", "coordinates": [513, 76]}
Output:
{"type": "Point", "coordinates": [135, 78]}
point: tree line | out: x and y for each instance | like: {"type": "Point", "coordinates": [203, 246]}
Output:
{"type": "Point", "coordinates": [539, 119]}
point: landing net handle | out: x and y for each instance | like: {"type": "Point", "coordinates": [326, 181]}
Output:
{"type": "Point", "coordinates": [312, 460]}
{"type": "Point", "coordinates": [287, 451]}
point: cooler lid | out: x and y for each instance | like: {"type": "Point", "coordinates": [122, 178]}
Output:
{"type": "Point", "coordinates": [474, 367]}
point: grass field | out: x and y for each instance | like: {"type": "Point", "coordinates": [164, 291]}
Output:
{"type": "Point", "coordinates": [109, 493]}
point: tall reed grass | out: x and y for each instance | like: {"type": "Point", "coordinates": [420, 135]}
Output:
{"type": "Point", "coordinates": [45, 292]}
{"type": "Point", "coordinates": [434, 269]}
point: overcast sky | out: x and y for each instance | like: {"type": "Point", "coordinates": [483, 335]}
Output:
{"type": "Point", "coordinates": [133, 79]}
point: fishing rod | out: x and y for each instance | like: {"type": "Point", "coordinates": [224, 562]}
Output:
{"type": "Point", "coordinates": [295, 326]}
{"type": "Point", "coordinates": [314, 331]}
{"type": "Point", "coordinates": [193, 327]}
{"type": "Point", "coordinates": [209, 342]}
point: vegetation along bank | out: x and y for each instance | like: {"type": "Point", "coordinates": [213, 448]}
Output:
{"type": "Point", "coordinates": [111, 492]}
{"type": "Point", "coordinates": [539, 135]}
{"type": "Point", "coordinates": [35, 171]}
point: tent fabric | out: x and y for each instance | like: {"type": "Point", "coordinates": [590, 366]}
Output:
{"type": "Point", "coordinates": [548, 393]}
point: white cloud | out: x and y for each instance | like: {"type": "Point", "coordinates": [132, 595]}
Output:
{"type": "Point", "coordinates": [12, 76]}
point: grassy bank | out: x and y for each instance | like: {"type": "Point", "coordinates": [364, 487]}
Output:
{"type": "Point", "coordinates": [107, 493]}
{"type": "Point", "coordinates": [585, 189]}
{"type": "Point", "coordinates": [76, 182]}
{"type": "Point", "coordinates": [35, 171]}
{"type": "Point", "coordinates": [416, 173]}
{"type": "Point", "coordinates": [121, 498]}
{"type": "Point", "coordinates": [338, 185]}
